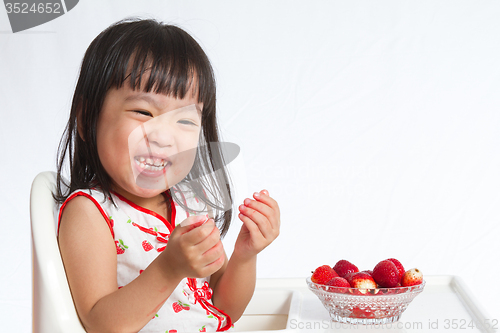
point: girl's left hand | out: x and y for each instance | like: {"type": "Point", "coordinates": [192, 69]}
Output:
{"type": "Point", "coordinates": [261, 224]}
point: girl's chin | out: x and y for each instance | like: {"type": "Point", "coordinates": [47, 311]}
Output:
{"type": "Point", "coordinates": [152, 184]}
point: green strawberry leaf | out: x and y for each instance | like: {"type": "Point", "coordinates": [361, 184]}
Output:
{"type": "Point", "coordinates": [129, 221]}
{"type": "Point", "coordinates": [123, 244]}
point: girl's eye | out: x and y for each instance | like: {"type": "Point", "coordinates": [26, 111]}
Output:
{"type": "Point", "coordinates": [186, 122]}
{"type": "Point", "coordinates": [145, 113]}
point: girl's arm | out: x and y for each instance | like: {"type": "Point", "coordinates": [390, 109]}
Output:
{"type": "Point", "coordinates": [89, 255]}
{"type": "Point", "coordinates": [234, 283]}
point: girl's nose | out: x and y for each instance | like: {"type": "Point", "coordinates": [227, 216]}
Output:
{"type": "Point", "coordinates": [160, 138]}
{"type": "Point", "coordinates": [158, 133]}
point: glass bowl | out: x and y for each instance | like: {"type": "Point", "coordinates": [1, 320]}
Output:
{"type": "Point", "coordinates": [365, 306]}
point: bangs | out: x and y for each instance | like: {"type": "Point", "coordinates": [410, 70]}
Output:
{"type": "Point", "coordinates": [164, 60]}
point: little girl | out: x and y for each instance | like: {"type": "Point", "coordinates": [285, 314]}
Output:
{"type": "Point", "coordinates": [145, 166]}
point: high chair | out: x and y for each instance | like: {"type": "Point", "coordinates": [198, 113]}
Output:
{"type": "Point", "coordinates": [53, 307]}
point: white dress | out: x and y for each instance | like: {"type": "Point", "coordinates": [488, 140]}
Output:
{"type": "Point", "coordinates": [140, 236]}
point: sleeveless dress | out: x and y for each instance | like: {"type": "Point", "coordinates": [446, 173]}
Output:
{"type": "Point", "coordinates": [140, 236]}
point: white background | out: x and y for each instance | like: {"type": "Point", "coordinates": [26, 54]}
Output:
{"type": "Point", "coordinates": [374, 124]}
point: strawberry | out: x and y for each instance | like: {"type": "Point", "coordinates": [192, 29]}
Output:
{"type": "Point", "coordinates": [338, 282]}
{"type": "Point", "coordinates": [120, 247]}
{"type": "Point", "coordinates": [147, 246]}
{"type": "Point", "coordinates": [177, 306]}
{"type": "Point", "coordinates": [412, 277]}
{"type": "Point", "coordinates": [386, 274]}
{"type": "Point", "coordinates": [343, 267]}
{"type": "Point", "coordinates": [323, 274]}
{"type": "Point", "coordinates": [363, 280]}
{"type": "Point", "coordinates": [368, 271]}
{"type": "Point", "coordinates": [399, 266]}
{"type": "Point", "coordinates": [358, 312]}
{"type": "Point", "coordinates": [348, 276]}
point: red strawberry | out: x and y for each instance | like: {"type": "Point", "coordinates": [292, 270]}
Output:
{"type": "Point", "coordinates": [361, 313]}
{"type": "Point", "coordinates": [368, 271]}
{"type": "Point", "coordinates": [386, 274]}
{"type": "Point", "coordinates": [338, 282]}
{"type": "Point", "coordinates": [412, 277]}
{"type": "Point", "coordinates": [177, 307]}
{"type": "Point", "coordinates": [120, 247]}
{"type": "Point", "coordinates": [147, 246]}
{"type": "Point", "coordinates": [348, 276]}
{"type": "Point", "coordinates": [343, 267]}
{"type": "Point", "coordinates": [363, 280]}
{"type": "Point", "coordinates": [323, 274]}
{"type": "Point", "coordinates": [399, 266]}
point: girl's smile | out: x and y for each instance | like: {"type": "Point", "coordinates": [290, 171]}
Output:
{"type": "Point", "coordinates": [151, 164]}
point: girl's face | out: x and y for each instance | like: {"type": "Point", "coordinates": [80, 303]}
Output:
{"type": "Point", "coordinates": [146, 141]}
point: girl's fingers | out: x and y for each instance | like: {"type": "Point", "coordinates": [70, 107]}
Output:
{"type": "Point", "coordinates": [200, 233]}
{"type": "Point", "coordinates": [268, 201]}
{"type": "Point", "coordinates": [210, 241]}
{"type": "Point", "coordinates": [266, 206]}
{"type": "Point", "coordinates": [214, 253]}
{"type": "Point", "coordinates": [253, 229]}
{"type": "Point", "coordinates": [261, 221]}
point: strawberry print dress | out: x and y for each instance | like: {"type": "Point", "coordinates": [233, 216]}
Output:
{"type": "Point", "coordinates": [140, 236]}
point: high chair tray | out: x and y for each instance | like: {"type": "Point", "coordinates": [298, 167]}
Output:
{"type": "Point", "coordinates": [286, 305]}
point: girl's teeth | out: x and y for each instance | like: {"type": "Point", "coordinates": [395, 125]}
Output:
{"type": "Point", "coordinates": [156, 164]}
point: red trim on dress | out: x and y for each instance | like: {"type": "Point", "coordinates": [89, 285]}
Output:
{"type": "Point", "coordinates": [145, 210]}
{"type": "Point", "coordinates": [205, 304]}
{"type": "Point", "coordinates": [74, 195]}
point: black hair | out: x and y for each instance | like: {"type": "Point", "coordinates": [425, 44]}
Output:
{"type": "Point", "coordinates": [174, 61]}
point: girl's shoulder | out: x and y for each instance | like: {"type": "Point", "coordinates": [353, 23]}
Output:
{"type": "Point", "coordinates": [91, 203]}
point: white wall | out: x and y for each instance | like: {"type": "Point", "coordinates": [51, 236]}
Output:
{"type": "Point", "coordinates": [373, 123]}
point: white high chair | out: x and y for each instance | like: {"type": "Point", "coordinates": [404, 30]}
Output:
{"type": "Point", "coordinates": [53, 307]}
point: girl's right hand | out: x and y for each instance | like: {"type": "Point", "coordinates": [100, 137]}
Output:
{"type": "Point", "coordinates": [194, 250]}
